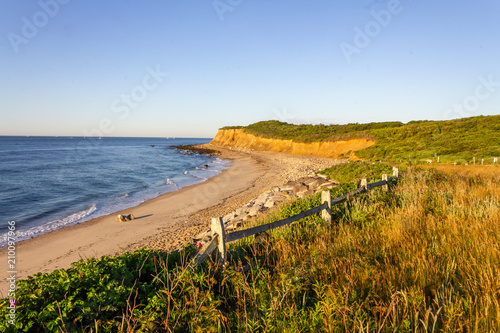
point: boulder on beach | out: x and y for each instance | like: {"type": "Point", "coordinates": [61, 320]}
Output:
{"type": "Point", "coordinates": [125, 218]}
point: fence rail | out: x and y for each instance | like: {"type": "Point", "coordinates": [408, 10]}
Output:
{"type": "Point", "coordinates": [220, 238]}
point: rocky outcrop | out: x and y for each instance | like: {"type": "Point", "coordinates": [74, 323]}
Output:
{"type": "Point", "coordinates": [331, 149]}
{"type": "Point", "coordinates": [301, 188]}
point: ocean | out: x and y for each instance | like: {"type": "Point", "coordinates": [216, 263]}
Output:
{"type": "Point", "coordinates": [47, 183]}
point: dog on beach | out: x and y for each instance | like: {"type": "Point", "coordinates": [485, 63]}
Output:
{"type": "Point", "coordinates": [124, 218]}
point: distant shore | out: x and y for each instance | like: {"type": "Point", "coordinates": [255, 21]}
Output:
{"type": "Point", "coordinates": [166, 222]}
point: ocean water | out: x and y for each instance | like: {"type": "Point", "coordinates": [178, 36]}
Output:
{"type": "Point", "coordinates": [47, 183]}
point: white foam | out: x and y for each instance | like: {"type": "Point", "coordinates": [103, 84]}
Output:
{"type": "Point", "coordinates": [200, 177]}
{"type": "Point", "coordinates": [50, 226]}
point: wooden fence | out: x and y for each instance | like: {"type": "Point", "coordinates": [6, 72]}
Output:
{"type": "Point", "coordinates": [220, 238]}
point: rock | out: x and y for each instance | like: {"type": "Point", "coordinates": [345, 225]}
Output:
{"type": "Point", "coordinates": [309, 181]}
{"type": "Point", "coordinates": [286, 188]}
{"type": "Point", "coordinates": [125, 218]}
{"type": "Point", "coordinates": [201, 235]}
{"type": "Point", "coordinates": [228, 217]}
{"type": "Point", "coordinates": [328, 185]}
{"type": "Point", "coordinates": [302, 180]}
{"type": "Point", "coordinates": [234, 224]}
{"type": "Point", "coordinates": [300, 188]}
{"type": "Point", "coordinates": [261, 200]}
{"type": "Point", "coordinates": [255, 210]}
{"type": "Point", "coordinates": [325, 177]}
{"type": "Point", "coordinates": [305, 193]}
{"type": "Point", "coordinates": [315, 183]}
{"type": "Point", "coordinates": [271, 201]}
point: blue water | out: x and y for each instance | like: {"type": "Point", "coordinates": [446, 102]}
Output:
{"type": "Point", "coordinates": [47, 183]}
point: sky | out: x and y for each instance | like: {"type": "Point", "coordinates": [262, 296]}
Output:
{"type": "Point", "coordinates": [186, 68]}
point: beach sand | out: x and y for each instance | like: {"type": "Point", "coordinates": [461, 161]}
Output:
{"type": "Point", "coordinates": [166, 222]}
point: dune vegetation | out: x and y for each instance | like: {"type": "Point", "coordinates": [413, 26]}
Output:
{"type": "Point", "coordinates": [422, 257]}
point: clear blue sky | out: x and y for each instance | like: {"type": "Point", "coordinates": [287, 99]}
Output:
{"type": "Point", "coordinates": [74, 67]}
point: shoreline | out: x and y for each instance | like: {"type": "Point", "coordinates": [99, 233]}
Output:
{"type": "Point", "coordinates": [108, 207]}
{"type": "Point", "coordinates": [165, 222]}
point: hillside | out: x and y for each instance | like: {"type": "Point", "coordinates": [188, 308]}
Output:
{"type": "Point", "coordinates": [456, 140]}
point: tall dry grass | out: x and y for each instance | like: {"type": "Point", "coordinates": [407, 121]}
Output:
{"type": "Point", "coordinates": [425, 258]}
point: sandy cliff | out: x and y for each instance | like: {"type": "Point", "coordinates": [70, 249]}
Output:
{"type": "Point", "coordinates": [331, 149]}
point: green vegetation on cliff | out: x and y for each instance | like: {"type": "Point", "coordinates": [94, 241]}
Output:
{"type": "Point", "coordinates": [456, 140]}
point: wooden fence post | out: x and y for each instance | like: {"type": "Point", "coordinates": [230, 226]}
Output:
{"type": "Point", "coordinates": [326, 214]}
{"type": "Point", "coordinates": [385, 187]}
{"type": "Point", "coordinates": [364, 183]}
{"type": "Point", "coordinates": [474, 160]}
{"type": "Point", "coordinates": [218, 228]}
{"type": "Point", "coordinates": [395, 172]}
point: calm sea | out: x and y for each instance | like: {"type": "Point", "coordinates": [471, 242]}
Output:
{"type": "Point", "coordinates": [47, 183]}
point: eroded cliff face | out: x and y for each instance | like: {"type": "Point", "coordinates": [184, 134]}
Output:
{"type": "Point", "coordinates": [331, 149]}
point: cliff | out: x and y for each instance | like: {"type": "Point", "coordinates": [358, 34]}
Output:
{"type": "Point", "coordinates": [331, 149]}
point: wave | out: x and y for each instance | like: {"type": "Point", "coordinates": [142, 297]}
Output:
{"type": "Point", "coordinates": [200, 177]}
{"type": "Point", "coordinates": [50, 226]}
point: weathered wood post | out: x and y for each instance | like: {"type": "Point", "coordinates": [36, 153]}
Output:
{"type": "Point", "coordinates": [326, 214]}
{"type": "Point", "coordinates": [395, 172]}
{"type": "Point", "coordinates": [386, 186]}
{"type": "Point", "coordinates": [474, 160]}
{"type": "Point", "coordinates": [218, 229]}
{"type": "Point", "coordinates": [438, 159]}
{"type": "Point", "coordinates": [364, 183]}
{"type": "Point", "coordinates": [482, 161]}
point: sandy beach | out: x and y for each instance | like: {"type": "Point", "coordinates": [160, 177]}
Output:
{"type": "Point", "coordinates": [166, 222]}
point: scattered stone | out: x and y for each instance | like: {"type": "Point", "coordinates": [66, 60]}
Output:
{"type": "Point", "coordinates": [302, 187]}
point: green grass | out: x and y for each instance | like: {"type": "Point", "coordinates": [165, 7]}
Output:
{"type": "Point", "coordinates": [423, 257]}
{"type": "Point", "coordinates": [356, 171]}
{"type": "Point", "coordinates": [453, 140]}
